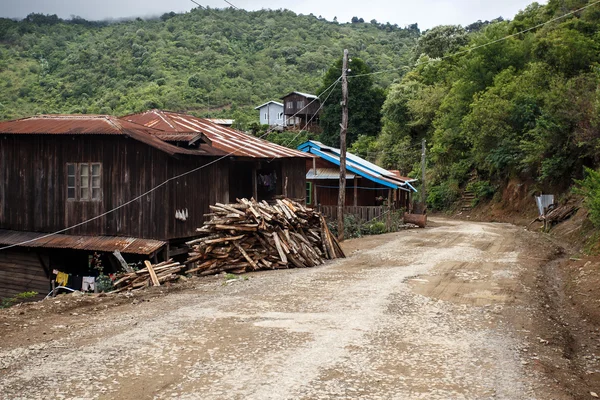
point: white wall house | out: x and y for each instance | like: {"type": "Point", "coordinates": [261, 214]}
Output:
{"type": "Point", "coordinates": [271, 113]}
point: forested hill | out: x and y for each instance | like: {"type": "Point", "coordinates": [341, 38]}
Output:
{"type": "Point", "coordinates": [520, 106]}
{"type": "Point", "coordinates": [204, 61]}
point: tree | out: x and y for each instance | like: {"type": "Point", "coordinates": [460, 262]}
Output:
{"type": "Point", "coordinates": [442, 40]}
{"type": "Point", "coordinates": [364, 103]}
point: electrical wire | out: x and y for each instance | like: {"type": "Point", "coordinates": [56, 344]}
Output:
{"type": "Point", "coordinates": [481, 45]}
{"type": "Point", "coordinates": [152, 189]}
{"type": "Point", "coordinates": [315, 114]}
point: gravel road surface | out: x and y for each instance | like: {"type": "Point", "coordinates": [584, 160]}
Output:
{"type": "Point", "coordinates": [420, 314]}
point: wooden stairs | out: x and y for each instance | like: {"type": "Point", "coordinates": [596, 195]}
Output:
{"type": "Point", "coordinates": [468, 197]}
{"type": "Point", "coordinates": [466, 202]}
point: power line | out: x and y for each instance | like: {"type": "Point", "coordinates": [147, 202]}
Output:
{"type": "Point", "coordinates": [481, 45]}
{"type": "Point", "coordinates": [232, 5]}
{"type": "Point", "coordinates": [315, 114]}
{"type": "Point", "coordinates": [148, 191]}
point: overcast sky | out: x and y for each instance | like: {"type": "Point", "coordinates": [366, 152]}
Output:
{"type": "Point", "coordinates": [427, 13]}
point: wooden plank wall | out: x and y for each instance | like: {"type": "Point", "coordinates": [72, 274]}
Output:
{"type": "Point", "coordinates": [33, 186]}
{"type": "Point", "coordinates": [295, 171]}
{"type": "Point", "coordinates": [22, 271]}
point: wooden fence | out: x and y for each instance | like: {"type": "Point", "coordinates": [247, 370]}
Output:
{"type": "Point", "coordinates": [363, 213]}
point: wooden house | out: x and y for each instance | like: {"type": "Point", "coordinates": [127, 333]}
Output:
{"type": "Point", "coordinates": [367, 185]}
{"type": "Point", "coordinates": [301, 111]}
{"type": "Point", "coordinates": [109, 184]}
{"type": "Point", "coordinates": [271, 113]}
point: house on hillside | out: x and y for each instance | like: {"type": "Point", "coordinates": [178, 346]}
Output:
{"type": "Point", "coordinates": [271, 113]}
{"type": "Point", "coordinates": [58, 171]}
{"type": "Point", "coordinates": [302, 111]}
{"type": "Point", "coordinates": [367, 185]}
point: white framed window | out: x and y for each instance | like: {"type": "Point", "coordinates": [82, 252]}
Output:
{"type": "Point", "coordinates": [289, 105]}
{"type": "Point", "coordinates": [84, 181]}
{"type": "Point", "coordinates": [300, 104]}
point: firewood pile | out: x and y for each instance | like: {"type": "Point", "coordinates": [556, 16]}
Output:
{"type": "Point", "coordinates": [249, 236]}
{"type": "Point", "coordinates": [555, 215]}
{"type": "Point", "coordinates": [151, 275]}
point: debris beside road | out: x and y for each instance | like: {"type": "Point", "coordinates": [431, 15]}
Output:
{"type": "Point", "coordinates": [250, 236]}
{"type": "Point", "coordinates": [151, 275]}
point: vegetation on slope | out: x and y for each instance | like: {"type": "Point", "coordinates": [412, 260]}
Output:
{"type": "Point", "coordinates": [525, 108]}
{"type": "Point", "coordinates": [210, 62]}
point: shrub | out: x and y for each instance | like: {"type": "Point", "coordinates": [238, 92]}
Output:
{"type": "Point", "coordinates": [482, 190]}
{"type": "Point", "coordinates": [18, 298]}
{"type": "Point", "coordinates": [589, 187]}
{"type": "Point", "coordinates": [442, 196]}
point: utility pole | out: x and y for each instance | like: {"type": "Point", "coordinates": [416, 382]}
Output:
{"type": "Point", "coordinates": [423, 163]}
{"type": "Point", "coordinates": [344, 129]}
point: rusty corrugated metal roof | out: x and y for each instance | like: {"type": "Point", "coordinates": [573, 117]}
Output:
{"type": "Point", "coordinates": [96, 125]}
{"type": "Point", "coordinates": [92, 243]}
{"type": "Point", "coordinates": [223, 138]}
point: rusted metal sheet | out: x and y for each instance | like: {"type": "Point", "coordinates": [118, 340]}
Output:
{"type": "Point", "coordinates": [92, 243]}
{"type": "Point", "coordinates": [223, 138]}
{"type": "Point", "coordinates": [97, 125]}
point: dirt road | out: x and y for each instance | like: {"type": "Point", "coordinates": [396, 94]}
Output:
{"type": "Point", "coordinates": [440, 313]}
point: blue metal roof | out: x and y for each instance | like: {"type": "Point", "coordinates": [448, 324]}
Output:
{"type": "Point", "coordinates": [357, 165]}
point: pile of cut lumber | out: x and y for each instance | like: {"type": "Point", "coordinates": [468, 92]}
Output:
{"type": "Point", "coordinates": [151, 275]}
{"type": "Point", "coordinates": [249, 236]}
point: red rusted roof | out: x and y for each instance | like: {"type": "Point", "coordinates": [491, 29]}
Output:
{"type": "Point", "coordinates": [398, 176]}
{"type": "Point", "coordinates": [92, 243]}
{"type": "Point", "coordinates": [97, 125]}
{"type": "Point", "coordinates": [223, 138]}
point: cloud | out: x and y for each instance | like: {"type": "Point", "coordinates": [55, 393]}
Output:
{"type": "Point", "coordinates": [427, 13]}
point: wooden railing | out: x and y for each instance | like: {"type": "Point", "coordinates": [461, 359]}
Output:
{"type": "Point", "coordinates": [364, 213]}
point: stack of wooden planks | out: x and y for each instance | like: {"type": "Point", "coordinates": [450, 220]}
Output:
{"type": "Point", "coordinates": [151, 275]}
{"type": "Point", "coordinates": [250, 236]}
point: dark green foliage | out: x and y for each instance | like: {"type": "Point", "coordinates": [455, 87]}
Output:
{"type": "Point", "coordinates": [483, 190]}
{"type": "Point", "coordinates": [364, 104]}
{"type": "Point", "coordinates": [18, 298]}
{"type": "Point", "coordinates": [442, 196]}
{"type": "Point", "coordinates": [218, 63]}
{"type": "Point", "coordinates": [526, 107]}
{"type": "Point", "coordinates": [589, 187]}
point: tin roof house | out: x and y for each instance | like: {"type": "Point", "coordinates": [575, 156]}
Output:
{"type": "Point", "coordinates": [140, 184]}
{"type": "Point", "coordinates": [367, 184]}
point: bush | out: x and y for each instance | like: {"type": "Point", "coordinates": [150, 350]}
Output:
{"type": "Point", "coordinates": [589, 187]}
{"type": "Point", "coordinates": [18, 298]}
{"type": "Point", "coordinates": [352, 227]}
{"type": "Point", "coordinates": [375, 228]}
{"type": "Point", "coordinates": [482, 190]}
{"type": "Point", "coordinates": [442, 196]}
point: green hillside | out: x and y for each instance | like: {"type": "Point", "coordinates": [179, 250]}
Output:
{"type": "Point", "coordinates": [526, 108]}
{"type": "Point", "coordinates": [209, 62]}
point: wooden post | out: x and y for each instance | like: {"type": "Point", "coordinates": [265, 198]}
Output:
{"type": "Point", "coordinates": [423, 163]}
{"type": "Point", "coordinates": [355, 193]}
{"type": "Point", "coordinates": [285, 188]}
{"type": "Point", "coordinates": [343, 130]}
{"type": "Point", "coordinates": [389, 211]}
{"type": "Point", "coordinates": [254, 184]}
{"type": "Point", "coordinates": [314, 184]}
